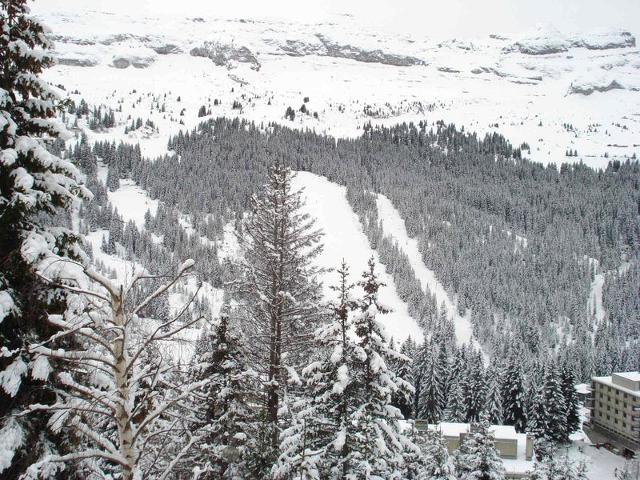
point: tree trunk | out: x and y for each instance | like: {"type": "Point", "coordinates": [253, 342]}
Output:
{"type": "Point", "coordinates": [122, 414]}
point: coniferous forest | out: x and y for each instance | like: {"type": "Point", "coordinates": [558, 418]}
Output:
{"type": "Point", "coordinates": [103, 377]}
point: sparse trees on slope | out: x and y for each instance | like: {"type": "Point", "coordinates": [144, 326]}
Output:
{"type": "Point", "coordinates": [280, 294]}
{"type": "Point", "coordinates": [33, 185]}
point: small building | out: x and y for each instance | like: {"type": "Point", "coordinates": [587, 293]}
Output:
{"type": "Point", "coordinates": [583, 390]}
{"type": "Point", "coordinates": [615, 407]}
{"type": "Point", "coordinates": [515, 449]}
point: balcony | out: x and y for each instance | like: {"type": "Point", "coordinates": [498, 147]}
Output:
{"type": "Point", "coordinates": [636, 408]}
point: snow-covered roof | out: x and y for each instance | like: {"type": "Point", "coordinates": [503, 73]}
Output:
{"type": "Point", "coordinates": [583, 388]}
{"type": "Point", "coordinates": [633, 376]}
{"type": "Point", "coordinates": [608, 381]}
{"type": "Point", "coordinates": [452, 429]}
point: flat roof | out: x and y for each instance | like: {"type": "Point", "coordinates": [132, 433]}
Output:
{"type": "Point", "coordinates": [633, 376]}
{"type": "Point", "coordinates": [608, 382]}
{"type": "Point", "coordinates": [583, 388]}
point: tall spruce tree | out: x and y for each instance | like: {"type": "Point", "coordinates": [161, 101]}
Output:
{"type": "Point", "coordinates": [280, 296]}
{"type": "Point", "coordinates": [380, 441]}
{"type": "Point", "coordinates": [319, 443]}
{"type": "Point", "coordinates": [572, 406]}
{"type": "Point", "coordinates": [513, 397]}
{"type": "Point", "coordinates": [556, 411]}
{"type": "Point", "coordinates": [34, 185]}
{"type": "Point", "coordinates": [431, 395]}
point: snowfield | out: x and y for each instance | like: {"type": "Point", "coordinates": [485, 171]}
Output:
{"type": "Point", "coordinates": [557, 91]}
{"type": "Point", "coordinates": [344, 239]}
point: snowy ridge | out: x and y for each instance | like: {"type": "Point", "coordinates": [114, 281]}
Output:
{"type": "Point", "coordinates": [394, 227]}
{"type": "Point", "coordinates": [345, 239]}
{"type": "Point", "coordinates": [555, 91]}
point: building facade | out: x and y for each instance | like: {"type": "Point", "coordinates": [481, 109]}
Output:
{"type": "Point", "coordinates": [615, 406]}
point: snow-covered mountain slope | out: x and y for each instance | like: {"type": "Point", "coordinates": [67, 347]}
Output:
{"type": "Point", "coordinates": [394, 227]}
{"type": "Point", "coordinates": [557, 92]}
{"type": "Point", "coordinates": [345, 240]}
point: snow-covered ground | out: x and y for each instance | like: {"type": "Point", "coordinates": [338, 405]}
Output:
{"type": "Point", "coordinates": [395, 228]}
{"type": "Point", "coordinates": [345, 239]}
{"type": "Point", "coordinates": [132, 202]}
{"type": "Point", "coordinates": [554, 90]}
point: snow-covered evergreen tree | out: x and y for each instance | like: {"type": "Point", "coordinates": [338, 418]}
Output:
{"type": "Point", "coordinates": [493, 404]}
{"type": "Point", "coordinates": [438, 462]}
{"type": "Point", "coordinates": [279, 293]}
{"type": "Point", "coordinates": [572, 405]}
{"type": "Point", "coordinates": [558, 466]}
{"type": "Point", "coordinates": [555, 408]}
{"type": "Point", "coordinates": [537, 413]}
{"type": "Point", "coordinates": [477, 457]}
{"type": "Point", "coordinates": [34, 184]}
{"type": "Point", "coordinates": [379, 441]}
{"type": "Point", "coordinates": [430, 400]}
{"type": "Point", "coordinates": [514, 405]}
{"type": "Point", "coordinates": [225, 414]}
{"type": "Point", "coordinates": [456, 410]}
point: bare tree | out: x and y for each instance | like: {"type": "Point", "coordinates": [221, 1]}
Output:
{"type": "Point", "coordinates": [123, 395]}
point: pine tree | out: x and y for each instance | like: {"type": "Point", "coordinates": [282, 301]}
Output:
{"type": "Point", "coordinates": [319, 443]}
{"type": "Point", "coordinates": [431, 398]}
{"type": "Point", "coordinates": [557, 466]}
{"type": "Point", "coordinates": [493, 404]}
{"type": "Point", "coordinates": [456, 410]}
{"type": "Point", "coordinates": [379, 441]}
{"type": "Point", "coordinates": [477, 457]}
{"type": "Point", "coordinates": [556, 411]}
{"type": "Point", "coordinates": [34, 185]}
{"type": "Point", "coordinates": [404, 370]}
{"type": "Point", "coordinates": [537, 413]}
{"type": "Point", "coordinates": [438, 463]}
{"type": "Point", "coordinates": [513, 396]}
{"type": "Point", "coordinates": [279, 293]}
{"type": "Point", "coordinates": [225, 416]}
{"type": "Point", "coordinates": [474, 388]}
{"type": "Point", "coordinates": [572, 405]}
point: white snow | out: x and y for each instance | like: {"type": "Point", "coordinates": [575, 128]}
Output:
{"type": "Point", "coordinates": [487, 84]}
{"type": "Point", "coordinates": [395, 228]}
{"type": "Point", "coordinates": [132, 202]}
{"type": "Point", "coordinates": [344, 239]}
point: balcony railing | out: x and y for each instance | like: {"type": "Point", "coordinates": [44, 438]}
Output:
{"type": "Point", "coordinates": [636, 408]}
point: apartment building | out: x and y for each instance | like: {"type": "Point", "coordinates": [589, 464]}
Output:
{"type": "Point", "coordinates": [615, 406]}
